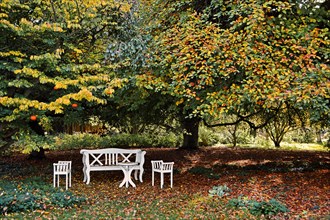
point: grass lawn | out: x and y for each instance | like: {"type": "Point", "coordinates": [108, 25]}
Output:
{"type": "Point", "coordinates": [297, 180]}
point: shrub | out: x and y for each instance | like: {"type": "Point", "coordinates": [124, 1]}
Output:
{"type": "Point", "coordinates": [272, 207]}
{"type": "Point", "coordinates": [168, 140]}
{"type": "Point", "coordinates": [90, 141]}
{"type": "Point", "coordinates": [27, 142]}
{"type": "Point", "coordinates": [238, 202]}
{"type": "Point", "coordinates": [263, 142]}
{"type": "Point", "coordinates": [65, 199]}
{"type": "Point", "coordinates": [207, 137]}
{"type": "Point", "coordinates": [76, 141]}
{"type": "Point", "coordinates": [32, 194]}
{"type": "Point", "coordinates": [220, 191]}
{"type": "Point", "coordinates": [300, 136]}
{"type": "Point", "coordinates": [242, 134]}
{"type": "Point", "coordinates": [18, 201]}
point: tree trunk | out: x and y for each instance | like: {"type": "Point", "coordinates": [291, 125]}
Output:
{"type": "Point", "coordinates": [190, 133]}
{"type": "Point", "coordinates": [234, 135]}
{"type": "Point", "coordinates": [277, 144]}
{"type": "Point", "coordinates": [319, 136]}
{"type": "Point", "coordinates": [37, 154]}
{"type": "Point", "coordinates": [234, 141]}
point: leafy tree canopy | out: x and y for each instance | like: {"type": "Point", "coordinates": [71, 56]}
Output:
{"type": "Point", "coordinates": [52, 55]}
{"type": "Point", "coordinates": [240, 55]}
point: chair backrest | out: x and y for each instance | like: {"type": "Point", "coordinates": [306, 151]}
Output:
{"type": "Point", "coordinates": [62, 166]}
{"type": "Point", "coordinates": [157, 164]}
{"type": "Point", "coordinates": [162, 166]}
{"type": "Point", "coordinates": [111, 156]}
{"type": "Point", "coordinates": [168, 166]}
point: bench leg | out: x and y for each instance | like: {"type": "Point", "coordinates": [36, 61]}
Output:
{"type": "Point", "coordinates": [88, 178]}
{"type": "Point", "coordinates": [85, 166]}
{"type": "Point", "coordinates": [141, 174]}
{"type": "Point", "coordinates": [84, 172]}
{"type": "Point", "coordinates": [136, 174]}
{"type": "Point", "coordinates": [161, 180]}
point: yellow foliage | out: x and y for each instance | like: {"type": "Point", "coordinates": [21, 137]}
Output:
{"type": "Point", "coordinates": [28, 72]}
{"type": "Point", "coordinates": [125, 7]}
{"type": "Point", "coordinates": [179, 101]}
{"type": "Point", "coordinates": [12, 53]}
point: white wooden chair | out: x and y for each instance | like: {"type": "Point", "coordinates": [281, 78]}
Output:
{"type": "Point", "coordinates": [62, 168]}
{"type": "Point", "coordinates": [162, 167]}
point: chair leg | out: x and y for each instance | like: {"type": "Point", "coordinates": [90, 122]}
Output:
{"type": "Point", "coordinates": [58, 180]}
{"type": "Point", "coordinates": [161, 180]}
{"type": "Point", "coordinates": [54, 180]}
{"type": "Point", "coordinates": [152, 178]}
{"type": "Point", "coordinates": [171, 179]}
{"type": "Point", "coordinates": [70, 179]}
{"type": "Point", "coordinates": [66, 181]}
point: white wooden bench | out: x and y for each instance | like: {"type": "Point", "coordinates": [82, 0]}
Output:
{"type": "Point", "coordinates": [107, 159]}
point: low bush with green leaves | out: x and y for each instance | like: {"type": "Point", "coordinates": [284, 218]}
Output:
{"type": "Point", "coordinates": [207, 137]}
{"type": "Point", "coordinates": [76, 141]}
{"type": "Point", "coordinates": [27, 142]}
{"type": "Point", "coordinates": [256, 208]}
{"type": "Point", "coordinates": [220, 191]}
{"type": "Point", "coordinates": [32, 194]}
{"type": "Point", "coordinates": [92, 141]}
{"type": "Point", "coordinates": [300, 136]}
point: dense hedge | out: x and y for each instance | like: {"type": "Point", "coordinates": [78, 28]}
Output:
{"type": "Point", "coordinates": [90, 141]}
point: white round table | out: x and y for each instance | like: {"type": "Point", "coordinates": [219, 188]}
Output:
{"type": "Point", "coordinates": [127, 168]}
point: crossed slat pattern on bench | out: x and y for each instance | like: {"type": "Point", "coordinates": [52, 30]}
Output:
{"type": "Point", "coordinates": [110, 159]}
{"type": "Point", "coordinates": [96, 160]}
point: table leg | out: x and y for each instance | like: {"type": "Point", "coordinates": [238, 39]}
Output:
{"type": "Point", "coordinates": [127, 177]}
{"type": "Point", "coordinates": [130, 178]}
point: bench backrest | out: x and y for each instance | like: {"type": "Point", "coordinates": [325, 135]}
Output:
{"type": "Point", "coordinates": [112, 156]}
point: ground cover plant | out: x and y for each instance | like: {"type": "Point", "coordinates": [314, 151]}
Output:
{"type": "Point", "coordinates": [34, 194]}
{"type": "Point", "coordinates": [252, 184]}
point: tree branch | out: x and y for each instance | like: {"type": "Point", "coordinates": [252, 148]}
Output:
{"type": "Point", "coordinates": [54, 12]}
{"type": "Point", "coordinates": [246, 119]}
{"type": "Point", "coordinates": [79, 15]}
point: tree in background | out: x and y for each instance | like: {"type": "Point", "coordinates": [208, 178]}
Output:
{"type": "Point", "coordinates": [287, 119]}
{"type": "Point", "coordinates": [137, 109]}
{"type": "Point", "coordinates": [51, 61]}
{"type": "Point", "coordinates": [243, 58]}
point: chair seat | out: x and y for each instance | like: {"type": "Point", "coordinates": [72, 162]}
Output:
{"type": "Point", "coordinates": [162, 167]}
